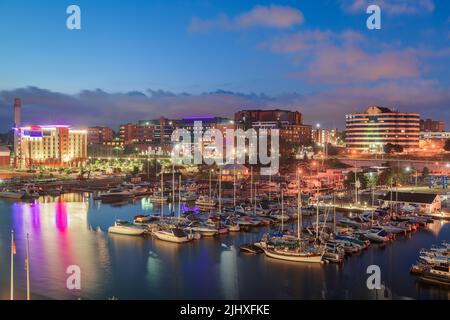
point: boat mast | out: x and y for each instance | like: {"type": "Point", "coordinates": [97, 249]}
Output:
{"type": "Point", "coordinates": [179, 196]}
{"type": "Point", "coordinates": [299, 208]}
{"type": "Point", "coordinates": [270, 184]}
{"type": "Point", "coordinates": [251, 184]}
{"type": "Point", "coordinates": [317, 210]}
{"type": "Point", "coordinates": [220, 190]}
{"type": "Point", "coordinates": [282, 211]}
{"type": "Point", "coordinates": [255, 200]}
{"type": "Point", "coordinates": [234, 187]}
{"type": "Point", "coordinates": [210, 190]}
{"type": "Point", "coordinates": [173, 187]}
{"type": "Point", "coordinates": [334, 214]}
{"type": "Point", "coordinates": [162, 191]}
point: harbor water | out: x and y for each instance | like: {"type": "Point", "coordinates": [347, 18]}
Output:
{"type": "Point", "coordinates": [72, 230]}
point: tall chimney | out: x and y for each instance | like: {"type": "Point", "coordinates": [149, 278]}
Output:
{"type": "Point", "coordinates": [17, 111]}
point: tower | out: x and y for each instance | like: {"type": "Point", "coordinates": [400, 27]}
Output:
{"type": "Point", "coordinates": [17, 134]}
{"type": "Point", "coordinates": [17, 112]}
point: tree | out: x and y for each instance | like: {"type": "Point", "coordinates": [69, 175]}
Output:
{"type": "Point", "coordinates": [349, 182]}
{"type": "Point", "coordinates": [332, 150]}
{"type": "Point", "coordinates": [391, 176]}
{"type": "Point", "coordinates": [425, 172]}
{"type": "Point", "coordinates": [393, 148]}
{"type": "Point", "coordinates": [447, 145]}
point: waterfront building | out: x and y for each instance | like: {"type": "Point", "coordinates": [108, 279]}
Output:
{"type": "Point", "coordinates": [429, 125]}
{"type": "Point", "coordinates": [131, 133]}
{"type": "Point", "coordinates": [293, 133]}
{"type": "Point", "coordinates": [99, 135]}
{"type": "Point", "coordinates": [160, 130]}
{"type": "Point", "coordinates": [427, 202]}
{"type": "Point", "coordinates": [4, 156]}
{"type": "Point", "coordinates": [49, 146]}
{"type": "Point", "coordinates": [373, 129]}
{"type": "Point", "coordinates": [234, 171]}
{"type": "Point", "coordinates": [429, 135]}
{"type": "Point", "coordinates": [433, 141]}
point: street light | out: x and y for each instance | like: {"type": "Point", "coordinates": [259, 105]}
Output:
{"type": "Point", "coordinates": [408, 169]}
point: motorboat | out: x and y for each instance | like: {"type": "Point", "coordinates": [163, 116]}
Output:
{"type": "Point", "coordinates": [188, 196]}
{"type": "Point", "coordinates": [142, 218]}
{"type": "Point", "coordinates": [278, 216]}
{"type": "Point", "coordinates": [204, 230]}
{"type": "Point", "coordinates": [115, 194]}
{"type": "Point", "coordinates": [156, 197]}
{"type": "Point", "coordinates": [333, 252]}
{"type": "Point", "coordinates": [234, 227]}
{"type": "Point", "coordinates": [439, 274]}
{"type": "Point", "coordinates": [363, 243]}
{"type": "Point", "coordinates": [126, 228]}
{"type": "Point", "coordinates": [376, 234]}
{"type": "Point", "coordinates": [205, 202]}
{"type": "Point", "coordinates": [175, 235]}
{"type": "Point", "coordinates": [389, 228]}
{"type": "Point", "coordinates": [12, 195]}
{"type": "Point", "coordinates": [139, 191]}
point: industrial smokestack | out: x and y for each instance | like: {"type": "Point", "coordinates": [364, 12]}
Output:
{"type": "Point", "coordinates": [17, 112]}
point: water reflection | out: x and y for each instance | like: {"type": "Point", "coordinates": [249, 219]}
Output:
{"type": "Point", "coordinates": [229, 273]}
{"type": "Point", "coordinates": [71, 229]}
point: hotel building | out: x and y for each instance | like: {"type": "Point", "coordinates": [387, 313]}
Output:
{"type": "Point", "coordinates": [376, 127]}
{"type": "Point", "coordinates": [293, 133]}
{"type": "Point", "coordinates": [58, 146]}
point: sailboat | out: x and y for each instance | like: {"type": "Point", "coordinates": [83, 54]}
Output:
{"type": "Point", "coordinates": [290, 253]}
{"type": "Point", "coordinates": [289, 248]}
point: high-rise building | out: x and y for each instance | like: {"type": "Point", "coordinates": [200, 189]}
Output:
{"type": "Point", "coordinates": [49, 146]}
{"type": "Point", "coordinates": [293, 133]}
{"type": "Point", "coordinates": [99, 135]}
{"type": "Point", "coordinates": [376, 127]}
{"type": "Point", "coordinates": [429, 125]}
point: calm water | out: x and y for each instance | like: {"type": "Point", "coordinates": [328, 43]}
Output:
{"type": "Point", "coordinates": [71, 230]}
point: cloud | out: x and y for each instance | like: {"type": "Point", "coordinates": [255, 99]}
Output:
{"type": "Point", "coordinates": [393, 7]}
{"type": "Point", "coordinates": [352, 65]}
{"type": "Point", "coordinates": [328, 106]}
{"type": "Point", "coordinates": [272, 16]}
{"type": "Point", "coordinates": [329, 57]}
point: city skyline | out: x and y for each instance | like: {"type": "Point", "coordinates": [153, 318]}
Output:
{"type": "Point", "coordinates": [215, 58]}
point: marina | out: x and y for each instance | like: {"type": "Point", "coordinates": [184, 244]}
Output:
{"type": "Point", "coordinates": [186, 253]}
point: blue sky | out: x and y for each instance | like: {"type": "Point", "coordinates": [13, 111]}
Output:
{"type": "Point", "coordinates": [317, 57]}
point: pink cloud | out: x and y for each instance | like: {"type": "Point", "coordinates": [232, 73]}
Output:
{"type": "Point", "coordinates": [350, 64]}
{"type": "Point", "coordinates": [393, 7]}
{"type": "Point", "coordinates": [272, 16]}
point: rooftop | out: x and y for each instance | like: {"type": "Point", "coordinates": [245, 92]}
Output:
{"type": "Point", "coordinates": [422, 198]}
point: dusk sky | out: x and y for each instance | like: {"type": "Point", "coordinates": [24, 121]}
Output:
{"type": "Point", "coordinates": [142, 59]}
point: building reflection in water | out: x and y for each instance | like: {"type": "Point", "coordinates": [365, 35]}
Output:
{"type": "Point", "coordinates": [58, 238]}
{"type": "Point", "coordinates": [229, 273]}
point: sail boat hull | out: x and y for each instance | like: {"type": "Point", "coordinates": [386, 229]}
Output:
{"type": "Point", "coordinates": [294, 257]}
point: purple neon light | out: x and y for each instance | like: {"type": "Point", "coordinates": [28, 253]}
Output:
{"type": "Point", "coordinates": [199, 118]}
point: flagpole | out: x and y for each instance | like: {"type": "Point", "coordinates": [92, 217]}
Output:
{"type": "Point", "coordinates": [12, 265]}
{"type": "Point", "coordinates": [28, 270]}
